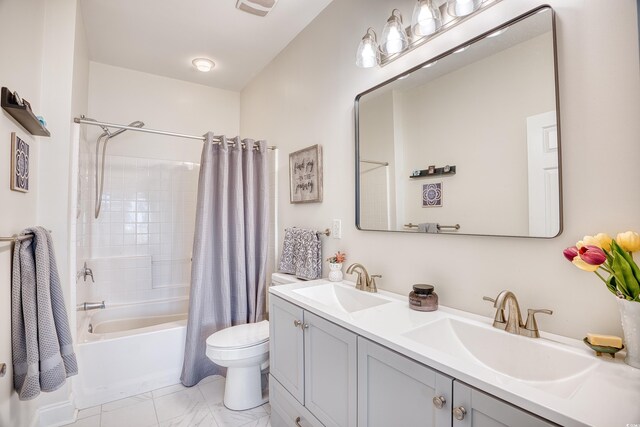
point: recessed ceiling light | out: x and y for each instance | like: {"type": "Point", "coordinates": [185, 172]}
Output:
{"type": "Point", "coordinates": [203, 64]}
{"type": "Point", "coordinates": [462, 49]}
{"type": "Point", "coordinates": [403, 77]}
{"type": "Point", "coordinates": [430, 64]}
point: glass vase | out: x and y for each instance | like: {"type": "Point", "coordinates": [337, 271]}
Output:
{"type": "Point", "coordinates": [630, 316]}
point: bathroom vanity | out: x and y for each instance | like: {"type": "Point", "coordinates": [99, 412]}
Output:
{"type": "Point", "coordinates": [344, 357]}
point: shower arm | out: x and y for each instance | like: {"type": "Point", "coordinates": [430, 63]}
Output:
{"type": "Point", "coordinates": [100, 163]}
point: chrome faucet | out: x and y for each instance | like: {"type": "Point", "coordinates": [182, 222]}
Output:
{"type": "Point", "coordinates": [86, 271]}
{"type": "Point", "coordinates": [512, 323]}
{"type": "Point", "coordinates": [85, 306]}
{"type": "Point", "coordinates": [364, 281]}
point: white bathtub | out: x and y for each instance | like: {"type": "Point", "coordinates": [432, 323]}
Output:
{"type": "Point", "coordinates": [134, 348]}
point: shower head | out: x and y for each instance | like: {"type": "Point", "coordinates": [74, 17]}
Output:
{"type": "Point", "coordinates": [136, 124]}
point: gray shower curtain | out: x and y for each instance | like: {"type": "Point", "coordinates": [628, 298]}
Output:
{"type": "Point", "coordinates": [228, 273]}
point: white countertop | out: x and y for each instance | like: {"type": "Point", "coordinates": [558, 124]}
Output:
{"type": "Point", "coordinates": [608, 395]}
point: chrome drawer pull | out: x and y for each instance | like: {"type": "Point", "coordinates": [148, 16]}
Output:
{"type": "Point", "coordinates": [297, 420]}
{"type": "Point", "coordinates": [297, 323]}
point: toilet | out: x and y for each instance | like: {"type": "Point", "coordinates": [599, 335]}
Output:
{"type": "Point", "coordinates": [244, 351]}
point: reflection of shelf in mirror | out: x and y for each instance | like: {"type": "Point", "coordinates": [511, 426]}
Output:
{"type": "Point", "coordinates": [424, 173]}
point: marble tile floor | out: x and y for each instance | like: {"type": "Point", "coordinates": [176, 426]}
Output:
{"type": "Point", "coordinates": [175, 406]}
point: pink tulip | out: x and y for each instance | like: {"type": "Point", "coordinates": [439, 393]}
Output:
{"type": "Point", "coordinates": [570, 253]}
{"type": "Point", "coordinates": [592, 255]}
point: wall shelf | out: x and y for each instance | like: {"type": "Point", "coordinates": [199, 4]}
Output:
{"type": "Point", "coordinates": [424, 173]}
{"type": "Point", "coordinates": [22, 114]}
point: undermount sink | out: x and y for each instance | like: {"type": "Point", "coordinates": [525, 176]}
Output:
{"type": "Point", "coordinates": [526, 359]}
{"type": "Point", "coordinates": [346, 299]}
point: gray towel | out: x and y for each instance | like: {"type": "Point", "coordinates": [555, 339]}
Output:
{"type": "Point", "coordinates": [42, 350]}
{"type": "Point", "coordinates": [428, 227]}
{"type": "Point", "coordinates": [301, 254]}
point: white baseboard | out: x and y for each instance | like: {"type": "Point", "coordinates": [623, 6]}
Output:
{"type": "Point", "coordinates": [55, 415]}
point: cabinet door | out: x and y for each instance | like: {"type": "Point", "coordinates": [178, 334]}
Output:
{"type": "Point", "coordinates": [286, 346]}
{"type": "Point", "coordinates": [330, 372]}
{"type": "Point", "coordinates": [474, 408]}
{"type": "Point", "coordinates": [396, 391]}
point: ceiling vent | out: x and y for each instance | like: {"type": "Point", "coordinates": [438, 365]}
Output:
{"type": "Point", "coordinates": [256, 7]}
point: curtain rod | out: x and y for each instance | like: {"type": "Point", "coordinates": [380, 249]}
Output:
{"type": "Point", "coordinates": [84, 121]}
{"type": "Point", "coordinates": [375, 162]}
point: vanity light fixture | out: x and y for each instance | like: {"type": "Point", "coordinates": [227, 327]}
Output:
{"type": "Point", "coordinates": [430, 18]}
{"type": "Point", "coordinates": [203, 64]}
{"type": "Point", "coordinates": [394, 36]}
{"type": "Point", "coordinates": [368, 54]}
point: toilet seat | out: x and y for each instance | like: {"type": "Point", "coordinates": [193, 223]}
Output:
{"type": "Point", "coordinates": [240, 336]}
{"type": "Point", "coordinates": [239, 342]}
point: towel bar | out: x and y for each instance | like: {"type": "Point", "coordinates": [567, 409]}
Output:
{"type": "Point", "coordinates": [455, 227]}
{"type": "Point", "coordinates": [17, 238]}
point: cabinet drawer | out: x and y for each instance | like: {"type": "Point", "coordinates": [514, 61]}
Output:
{"type": "Point", "coordinates": [286, 411]}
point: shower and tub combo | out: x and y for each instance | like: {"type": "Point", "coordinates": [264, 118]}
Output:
{"type": "Point", "coordinates": [127, 346]}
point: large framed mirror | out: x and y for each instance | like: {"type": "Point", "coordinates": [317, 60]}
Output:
{"type": "Point", "coordinates": [469, 141]}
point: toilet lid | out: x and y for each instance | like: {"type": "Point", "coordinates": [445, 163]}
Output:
{"type": "Point", "coordinates": [240, 336]}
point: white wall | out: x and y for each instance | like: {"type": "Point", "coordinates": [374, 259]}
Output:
{"type": "Point", "coordinates": [42, 50]}
{"type": "Point", "coordinates": [305, 96]}
{"type": "Point", "coordinates": [119, 95]}
{"type": "Point", "coordinates": [17, 210]}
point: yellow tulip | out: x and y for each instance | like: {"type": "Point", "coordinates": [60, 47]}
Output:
{"type": "Point", "coordinates": [601, 240]}
{"type": "Point", "coordinates": [629, 241]}
{"type": "Point", "coordinates": [578, 262]}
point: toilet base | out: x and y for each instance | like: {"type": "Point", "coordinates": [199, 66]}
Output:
{"type": "Point", "coordinates": [243, 388]}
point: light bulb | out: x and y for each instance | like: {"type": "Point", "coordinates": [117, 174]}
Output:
{"type": "Point", "coordinates": [462, 7]}
{"type": "Point", "coordinates": [394, 37]}
{"type": "Point", "coordinates": [368, 54]}
{"type": "Point", "coordinates": [426, 18]}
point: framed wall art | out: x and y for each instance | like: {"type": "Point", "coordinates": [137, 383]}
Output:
{"type": "Point", "coordinates": [432, 195]}
{"type": "Point", "coordinates": [19, 164]}
{"type": "Point", "coordinates": [305, 175]}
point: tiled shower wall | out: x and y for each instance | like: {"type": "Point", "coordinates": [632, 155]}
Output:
{"type": "Point", "coordinates": [139, 247]}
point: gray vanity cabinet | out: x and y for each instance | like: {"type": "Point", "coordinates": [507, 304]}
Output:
{"type": "Point", "coordinates": [315, 361]}
{"type": "Point", "coordinates": [474, 408]}
{"type": "Point", "coordinates": [286, 346]}
{"type": "Point", "coordinates": [396, 391]}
